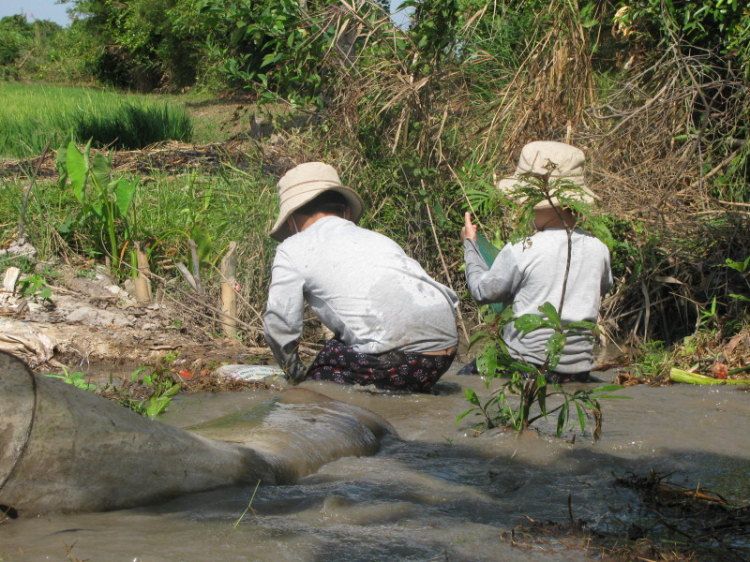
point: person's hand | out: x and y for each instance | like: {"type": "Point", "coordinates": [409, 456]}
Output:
{"type": "Point", "coordinates": [468, 230]}
{"type": "Point", "coordinates": [295, 372]}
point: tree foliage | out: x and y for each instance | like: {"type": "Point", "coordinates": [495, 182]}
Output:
{"type": "Point", "coordinates": [654, 90]}
{"type": "Point", "coordinates": [24, 46]}
{"type": "Point", "coordinates": [139, 44]}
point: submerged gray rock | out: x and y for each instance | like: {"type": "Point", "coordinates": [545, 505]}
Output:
{"type": "Point", "coordinates": [63, 449]}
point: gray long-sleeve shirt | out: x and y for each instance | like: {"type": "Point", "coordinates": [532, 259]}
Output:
{"type": "Point", "coordinates": [529, 273]}
{"type": "Point", "coordinates": [362, 286]}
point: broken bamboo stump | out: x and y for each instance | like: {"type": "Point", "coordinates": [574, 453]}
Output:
{"type": "Point", "coordinates": [228, 292]}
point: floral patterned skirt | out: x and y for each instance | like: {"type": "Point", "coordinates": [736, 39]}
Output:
{"type": "Point", "coordinates": [395, 370]}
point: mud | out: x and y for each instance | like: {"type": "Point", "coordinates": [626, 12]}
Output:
{"type": "Point", "coordinates": [440, 490]}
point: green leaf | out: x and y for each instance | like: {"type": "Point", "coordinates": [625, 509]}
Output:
{"type": "Point", "coordinates": [542, 397]}
{"type": "Point", "coordinates": [124, 193]}
{"type": "Point", "coordinates": [530, 322]}
{"type": "Point", "coordinates": [562, 418]}
{"type": "Point", "coordinates": [581, 417]}
{"type": "Point", "coordinates": [554, 348]}
{"type": "Point", "coordinates": [583, 324]}
{"type": "Point", "coordinates": [476, 337]}
{"type": "Point", "coordinates": [472, 397]}
{"type": "Point", "coordinates": [463, 415]}
{"type": "Point", "coordinates": [77, 168]}
{"type": "Point", "coordinates": [550, 312]}
{"type": "Point", "coordinates": [100, 171]}
{"type": "Point", "coordinates": [487, 361]}
{"type": "Point", "coordinates": [607, 388]}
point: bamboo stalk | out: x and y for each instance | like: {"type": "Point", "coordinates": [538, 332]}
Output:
{"type": "Point", "coordinates": [142, 282]}
{"type": "Point", "coordinates": [228, 292]}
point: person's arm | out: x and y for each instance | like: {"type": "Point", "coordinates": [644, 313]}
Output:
{"type": "Point", "coordinates": [284, 316]}
{"type": "Point", "coordinates": [606, 283]}
{"type": "Point", "coordinates": [488, 284]}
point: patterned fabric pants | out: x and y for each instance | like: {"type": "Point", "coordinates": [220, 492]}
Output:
{"type": "Point", "coordinates": [396, 370]}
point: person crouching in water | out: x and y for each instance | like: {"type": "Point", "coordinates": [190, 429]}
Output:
{"type": "Point", "coordinates": [531, 272]}
{"type": "Point", "coordinates": [394, 326]}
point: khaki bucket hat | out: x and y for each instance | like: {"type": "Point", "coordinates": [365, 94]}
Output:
{"type": "Point", "coordinates": [302, 184]}
{"type": "Point", "coordinates": [535, 156]}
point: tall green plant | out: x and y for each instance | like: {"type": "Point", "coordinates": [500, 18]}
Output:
{"type": "Point", "coordinates": [525, 387]}
{"type": "Point", "coordinates": [105, 200]}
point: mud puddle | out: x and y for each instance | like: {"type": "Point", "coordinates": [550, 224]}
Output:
{"type": "Point", "coordinates": [439, 491]}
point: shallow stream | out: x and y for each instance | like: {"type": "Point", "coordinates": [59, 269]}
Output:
{"type": "Point", "coordinates": [440, 491]}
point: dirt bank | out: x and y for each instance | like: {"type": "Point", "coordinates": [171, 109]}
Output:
{"type": "Point", "coordinates": [90, 324]}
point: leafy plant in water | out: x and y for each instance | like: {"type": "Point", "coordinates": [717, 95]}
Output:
{"type": "Point", "coordinates": [528, 382]}
{"type": "Point", "coordinates": [75, 378]}
{"type": "Point", "coordinates": [522, 379]}
{"type": "Point", "coordinates": [157, 385]}
{"type": "Point", "coordinates": [163, 389]}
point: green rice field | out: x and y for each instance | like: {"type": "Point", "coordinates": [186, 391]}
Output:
{"type": "Point", "coordinates": [32, 115]}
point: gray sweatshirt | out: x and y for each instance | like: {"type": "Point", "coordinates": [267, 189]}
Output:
{"type": "Point", "coordinates": [529, 273]}
{"type": "Point", "coordinates": [362, 286]}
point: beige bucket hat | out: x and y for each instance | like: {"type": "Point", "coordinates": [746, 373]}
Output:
{"type": "Point", "coordinates": [302, 184]}
{"type": "Point", "coordinates": [535, 156]}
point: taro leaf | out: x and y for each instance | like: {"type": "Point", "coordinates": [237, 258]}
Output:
{"type": "Point", "coordinates": [77, 167]}
{"type": "Point", "coordinates": [124, 193]}
{"type": "Point", "coordinates": [202, 239]}
{"type": "Point", "coordinates": [100, 171]}
{"type": "Point", "coordinates": [60, 164]}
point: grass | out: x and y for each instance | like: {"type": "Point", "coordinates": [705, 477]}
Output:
{"type": "Point", "coordinates": [31, 115]}
{"type": "Point", "coordinates": [210, 206]}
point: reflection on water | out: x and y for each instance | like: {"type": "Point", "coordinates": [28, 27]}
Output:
{"type": "Point", "coordinates": [437, 492]}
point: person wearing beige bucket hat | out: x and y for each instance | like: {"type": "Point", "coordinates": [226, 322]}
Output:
{"type": "Point", "coordinates": [394, 326]}
{"type": "Point", "coordinates": [529, 273]}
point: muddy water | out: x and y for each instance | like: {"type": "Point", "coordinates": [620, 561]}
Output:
{"type": "Point", "coordinates": [437, 492]}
